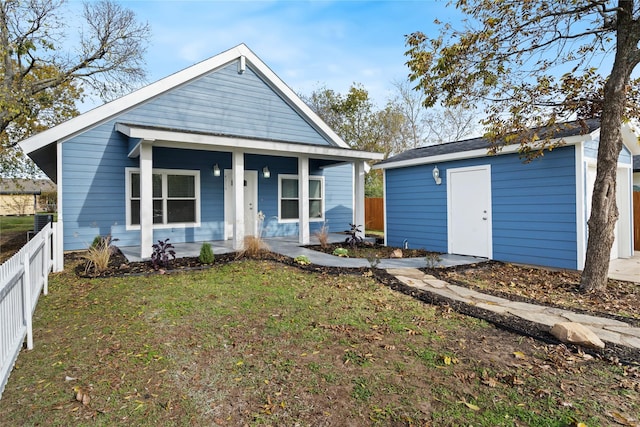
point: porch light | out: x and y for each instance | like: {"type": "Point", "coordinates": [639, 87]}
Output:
{"type": "Point", "coordinates": [216, 170]}
{"type": "Point", "coordinates": [265, 172]}
{"type": "Point", "coordinates": [436, 175]}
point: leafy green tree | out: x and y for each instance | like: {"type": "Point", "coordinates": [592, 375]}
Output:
{"type": "Point", "coordinates": [41, 83]}
{"type": "Point", "coordinates": [538, 63]}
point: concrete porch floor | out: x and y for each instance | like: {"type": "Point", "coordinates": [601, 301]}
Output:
{"type": "Point", "coordinates": [626, 269]}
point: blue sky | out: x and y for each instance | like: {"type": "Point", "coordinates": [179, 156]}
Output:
{"type": "Point", "coordinates": [308, 44]}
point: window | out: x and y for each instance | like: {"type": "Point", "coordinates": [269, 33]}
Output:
{"type": "Point", "coordinates": [176, 197]}
{"type": "Point", "coordinates": [289, 198]}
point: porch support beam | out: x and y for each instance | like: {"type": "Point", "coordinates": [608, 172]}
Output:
{"type": "Point", "coordinates": [146, 199]}
{"type": "Point", "coordinates": [237, 162]}
{"type": "Point", "coordinates": [303, 193]}
{"type": "Point", "coordinates": [358, 195]}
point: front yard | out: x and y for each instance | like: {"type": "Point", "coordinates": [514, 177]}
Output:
{"type": "Point", "coordinates": [262, 343]}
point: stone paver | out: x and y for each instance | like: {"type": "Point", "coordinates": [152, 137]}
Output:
{"type": "Point", "coordinates": [608, 330]}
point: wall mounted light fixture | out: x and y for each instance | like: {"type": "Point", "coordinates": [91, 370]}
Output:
{"type": "Point", "coordinates": [216, 170]}
{"type": "Point", "coordinates": [436, 175]}
{"type": "Point", "coordinates": [265, 172]}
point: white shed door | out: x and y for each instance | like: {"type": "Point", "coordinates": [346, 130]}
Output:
{"type": "Point", "coordinates": [469, 211]}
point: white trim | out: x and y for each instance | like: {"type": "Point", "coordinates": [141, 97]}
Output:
{"type": "Point", "coordinates": [164, 172]}
{"type": "Point", "coordinates": [581, 207]}
{"type": "Point", "coordinates": [384, 204]}
{"type": "Point", "coordinates": [201, 141]}
{"type": "Point", "coordinates": [99, 115]}
{"type": "Point", "coordinates": [322, 200]}
{"type": "Point", "coordinates": [59, 232]}
{"type": "Point", "coordinates": [471, 154]}
{"type": "Point", "coordinates": [303, 200]}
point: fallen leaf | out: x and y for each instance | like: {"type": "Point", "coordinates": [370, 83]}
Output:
{"type": "Point", "coordinates": [519, 355]}
{"type": "Point", "coordinates": [471, 405]}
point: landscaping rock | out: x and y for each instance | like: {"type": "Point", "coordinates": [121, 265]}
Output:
{"type": "Point", "coordinates": [397, 253]}
{"type": "Point", "coordinates": [576, 333]}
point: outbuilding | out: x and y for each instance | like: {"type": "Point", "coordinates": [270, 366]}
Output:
{"type": "Point", "coordinates": [455, 198]}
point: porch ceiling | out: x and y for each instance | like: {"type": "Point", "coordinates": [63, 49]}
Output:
{"type": "Point", "coordinates": [178, 138]}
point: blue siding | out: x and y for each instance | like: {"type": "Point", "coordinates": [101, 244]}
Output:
{"type": "Point", "coordinates": [416, 208]}
{"type": "Point", "coordinates": [533, 208]}
{"type": "Point", "coordinates": [226, 102]}
{"type": "Point", "coordinates": [591, 152]}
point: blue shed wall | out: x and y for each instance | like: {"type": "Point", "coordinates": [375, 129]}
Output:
{"type": "Point", "coordinates": [533, 207]}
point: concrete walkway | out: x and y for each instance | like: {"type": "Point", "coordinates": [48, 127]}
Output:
{"type": "Point", "coordinates": [608, 330]}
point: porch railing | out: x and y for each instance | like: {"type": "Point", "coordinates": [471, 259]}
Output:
{"type": "Point", "coordinates": [22, 278]}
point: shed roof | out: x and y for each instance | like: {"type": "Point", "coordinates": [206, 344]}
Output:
{"type": "Point", "coordinates": [563, 130]}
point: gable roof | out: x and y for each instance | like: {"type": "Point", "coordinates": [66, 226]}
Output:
{"type": "Point", "coordinates": [570, 132]}
{"type": "Point", "coordinates": [241, 53]}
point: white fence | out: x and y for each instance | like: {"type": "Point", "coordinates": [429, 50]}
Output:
{"type": "Point", "coordinates": [22, 278]}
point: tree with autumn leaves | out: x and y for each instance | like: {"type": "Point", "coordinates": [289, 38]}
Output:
{"type": "Point", "coordinates": [41, 83]}
{"type": "Point", "coordinates": [536, 64]}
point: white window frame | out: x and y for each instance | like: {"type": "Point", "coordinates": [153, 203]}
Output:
{"type": "Point", "coordinates": [322, 199]}
{"type": "Point", "coordinates": [164, 173]}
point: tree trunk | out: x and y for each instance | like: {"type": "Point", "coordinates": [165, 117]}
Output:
{"type": "Point", "coordinates": [604, 210]}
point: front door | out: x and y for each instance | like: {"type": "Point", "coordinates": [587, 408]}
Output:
{"type": "Point", "coordinates": [250, 203]}
{"type": "Point", "coordinates": [469, 211]}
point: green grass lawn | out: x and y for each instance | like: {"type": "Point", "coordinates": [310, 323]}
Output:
{"type": "Point", "coordinates": [16, 223]}
{"type": "Point", "coordinates": [260, 343]}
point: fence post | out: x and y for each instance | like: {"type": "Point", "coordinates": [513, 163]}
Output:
{"type": "Point", "coordinates": [26, 292]}
{"type": "Point", "coordinates": [45, 260]}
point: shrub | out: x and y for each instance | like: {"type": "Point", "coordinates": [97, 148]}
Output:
{"type": "Point", "coordinates": [354, 235]}
{"type": "Point", "coordinates": [323, 235]}
{"type": "Point", "coordinates": [341, 252]}
{"type": "Point", "coordinates": [253, 247]}
{"type": "Point", "coordinates": [302, 260]}
{"type": "Point", "coordinates": [433, 260]}
{"type": "Point", "coordinates": [206, 253]}
{"type": "Point", "coordinates": [161, 253]}
{"type": "Point", "coordinates": [98, 255]}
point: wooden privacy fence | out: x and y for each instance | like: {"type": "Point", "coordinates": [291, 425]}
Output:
{"type": "Point", "coordinates": [374, 213]}
{"type": "Point", "coordinates": [636, 220]}
{"type": "Point", "coordinates": [22, 278]}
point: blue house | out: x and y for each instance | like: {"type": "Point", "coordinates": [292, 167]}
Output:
{"type": "Point", "coordinates": [165, 162]}
{"type": "Point", "coordinates": [454, 198]}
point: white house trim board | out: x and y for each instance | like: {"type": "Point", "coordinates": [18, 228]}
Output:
{"type": "Point", "coordinates": [59, 234]}
{"type": "Point", "coordinates": [107, 111]}
{"type": "Point", "coordinates": [238, 199]}
{"type": "Point", "coordinates": [581, 223]}
{"type": "Point", "coordinates": [358, 195]}
{"type": "Point", "coordinates": [146, 200]}
{"type": "Point", "coordinates": [303, 200]}
{"type": "Point", "coordinates": [202, 141]}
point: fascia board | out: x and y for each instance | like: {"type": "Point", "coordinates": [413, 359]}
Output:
{"type": "Point", "coordinates": [98, 115]}
{"type": "Point", "coordinates": [471, 154]}
{"type": "Point", "coordinates": [173, 139]}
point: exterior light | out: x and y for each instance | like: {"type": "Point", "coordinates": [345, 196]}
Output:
{"type": "Point", "coordinates": [216, 170]}
{"type": "Point", "coordinates": [265, 172]}
{"type": "Point", "coordinates": [436, 175]}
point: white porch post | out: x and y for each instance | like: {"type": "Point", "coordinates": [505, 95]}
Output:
{"type": "Point", "coordinates": [237, 162]}
{"type": "Point", "coordinates": [146, 199]}
{"type": "Point", "coordinates": [58, 235]}
{"type": "Point", "coordinates": [358, 195]}
{"type": "Point", "coordinates": [303, 197]}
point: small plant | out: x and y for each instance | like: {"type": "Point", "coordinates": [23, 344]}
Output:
{"type": "Point", "coordinates": [161, 253]}
{"type": "Point", "coordinates": [254, 246]}
{"type": "Point", "coordinates": [341, 252]}
{"type": "Point", "coordinates": [206, 254]}
{"type": "Point", "coordinates": [354, 235]}
{"type": "Point", "coordinates": [323, 236]}
{"type": "Point", "coordinates": [98, 254]}
{"type": "Point", "coordinates": [433, 260]}
{"type": "Point", "coordinates": [302, 260]}
{"type": "Point", "coordinates": [373, 261]}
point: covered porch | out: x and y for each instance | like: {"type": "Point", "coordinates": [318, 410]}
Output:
{"type": "Point", "coordinates": [288, 187]}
